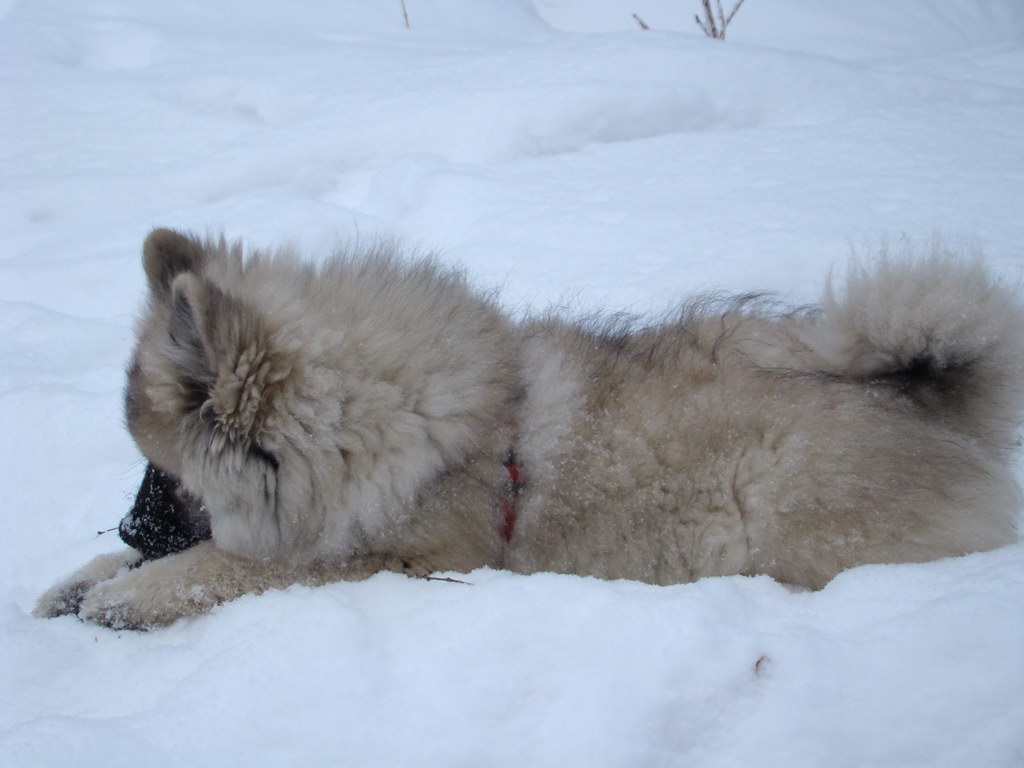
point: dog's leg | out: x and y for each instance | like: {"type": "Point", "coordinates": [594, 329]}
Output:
{"type": "Point", "coordinates": [160, 592]}
{"type": "Point", "coordinates": [66, 596]}
{"type": "Point", "coordinates": [189, 583]}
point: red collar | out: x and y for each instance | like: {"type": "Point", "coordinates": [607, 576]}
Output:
{"type": "Point", "coordinates": [513, 488]}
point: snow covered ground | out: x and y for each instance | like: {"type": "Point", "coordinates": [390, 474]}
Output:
{"type": "Point", "coordinates": [565, 156]}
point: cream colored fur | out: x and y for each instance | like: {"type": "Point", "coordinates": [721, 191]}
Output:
{"type": "Point", "coordinates": [350, 418]}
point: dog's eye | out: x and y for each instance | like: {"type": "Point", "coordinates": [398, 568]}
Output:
{"type": "Point", "coordinates": [259, 452]}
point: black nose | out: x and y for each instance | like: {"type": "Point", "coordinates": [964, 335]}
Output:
{"type": "Point", "coordinates": [160, 523]}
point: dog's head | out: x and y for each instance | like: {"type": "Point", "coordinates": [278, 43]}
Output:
{"type": "Point", "coordinates": [308, 405]}
{"type": "Point", "coordinates": [202, 383]}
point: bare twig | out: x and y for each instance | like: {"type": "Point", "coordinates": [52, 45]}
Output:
{"type": "Point", "coordinates": [725, 23]}
{"type": "Point", "coordinates": [709, 29]}
{"type": "Point", "coordinates": [641, 22]}
{"type": "Point", "coordinates": [405, 15]}
{"type": "Point", "coordinates": [445, 578]}
{"type": "Point", "coordinates": [708, 24]}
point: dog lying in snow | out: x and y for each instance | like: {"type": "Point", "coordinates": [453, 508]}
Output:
{"type": "Point", "coordinates": [375, 413]}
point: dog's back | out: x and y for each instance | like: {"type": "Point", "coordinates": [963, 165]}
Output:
{"type": "Point", "coordinates": [736, 440]}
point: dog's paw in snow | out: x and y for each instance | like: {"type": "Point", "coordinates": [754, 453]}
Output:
{"type": "Point", "coordinates": [66, 596]}
{"type": "Point", "coordinates": [132, 601]}
{"type": "Point", "coordinates": [159, 592]}
{"type": "Point", "coordinates": [189, 583]}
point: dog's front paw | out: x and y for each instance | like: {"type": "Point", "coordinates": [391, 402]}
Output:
{"type": "Point", "coordinates": [66, 596]}
{"type": "Point", "coordinates": [189, 583]}
{"type": "Point", "coordinates": [111, 606]}
{"type": "Point", "coordinates": [61, 600]}
{"type": "Point", "coordinates": [142, 599]}
{"type": "Point", "coordinates": [159, 592]}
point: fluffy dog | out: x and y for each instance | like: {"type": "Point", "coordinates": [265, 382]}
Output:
{"type": "Point", "coordinates": [376, 413]}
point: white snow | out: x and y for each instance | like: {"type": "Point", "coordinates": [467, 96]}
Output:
{"type": "Point", "coordinates": [564, 156]}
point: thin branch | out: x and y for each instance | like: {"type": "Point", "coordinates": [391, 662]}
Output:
{"type": "Point", "coordinates": [450, 580]}
{"type": "Point", "coordinates": [726, 22]}
{"type": "Point", "coordinates": [708, 25]}
{"type": "Point", "coordinates": [405, 15]}
{"type": "Point", "coordinates": [710, 30]}
{"type": "Point", "coordinates": [641, 22]}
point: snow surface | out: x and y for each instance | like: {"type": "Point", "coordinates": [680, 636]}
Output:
{"type": "Point", "coordinates": [564, 156]}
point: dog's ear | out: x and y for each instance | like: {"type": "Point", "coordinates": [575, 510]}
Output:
{"type": "Point", "coordinates": [223, 354]}
{"type": "Point", "coordinates": [195, 302]}
{"type": "Point", "coordinates": [167, 254]}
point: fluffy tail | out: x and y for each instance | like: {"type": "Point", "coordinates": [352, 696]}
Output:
{"type": "Point", "coordinates": [939, 329]}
